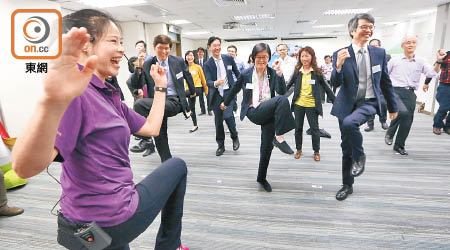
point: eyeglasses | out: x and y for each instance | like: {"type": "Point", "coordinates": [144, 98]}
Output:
{"type": "Point", "coordinates": [262, 58]}
{"type": "Point", "coordinates": [282, 49]}
{"type": "Point", "coordinates": [367, 27]}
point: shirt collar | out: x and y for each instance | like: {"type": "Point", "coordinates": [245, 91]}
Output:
{"type": "Point", "coordinates": [95, 81]}
{"type": "Point", "coordinates": [166, 61]}
{"type": "Point", "coordinates": [404, 57]}
{"type": "Point", "coordinates": [303, 71]}
{"type": "Point", "coordinates": [356, 48]}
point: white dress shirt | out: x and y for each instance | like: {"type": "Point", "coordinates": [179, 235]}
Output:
{"type": "Point", "coordinates": [405, 72]}
{"type": "Point", "coordinates": [223, 71]}
{"type": "Point", "coordinates": [369, 91]}
{"type": "Point", "coordinates": [287, 67]}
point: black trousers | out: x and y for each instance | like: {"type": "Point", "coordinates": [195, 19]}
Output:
{"type": "Point", "coordinates": [275, 117]}
{"type": "Point", "coordinates": [402, 124]}
{"type": "Point", "coordinates": [172, 108]}
{"type": "Point", "coordinates": [199, 91]}
{"type": "Point", "coordinates": [228, 117]}
{"type": "Point", "coordinates": [313, 120]}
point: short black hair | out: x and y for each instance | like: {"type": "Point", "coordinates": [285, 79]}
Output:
{"type": "Point", "coordinates": [325, 57]}
{"type": "Point", "coordinates": [234, 47]}
{"type": "Point", "coordinates": [378, 40]}
{"type": "Point", "coordinates": [140, 41]}
{"type": "Point", "coordinates": [282, 44]}
{"type": "Point", "coordinates": [353, 23]}
{"type": "Point", "coordinates": [130, 63]}
{"type": "Point", "coordinates": [200, 48]}
{"type": "Point", "coordinates": [259, 48]}
{"type": "Point", "coordinates": [187, 53]}
{"type": "Point", "coordinates": [94, 21]}
{"type": "Point", "coordinates": [212, 39]}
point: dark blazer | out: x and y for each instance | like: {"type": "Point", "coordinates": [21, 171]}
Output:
{"type": "Point", "coordinates": [348, 79]}
{"type": "Point", "coordinates": [176, 66]}
{"type": "Point", "coordinates": [320, 83]}
{"type": "Point", "coordinates": [276, 84]}
{"type": "Point", "coordinates": [210, 70]}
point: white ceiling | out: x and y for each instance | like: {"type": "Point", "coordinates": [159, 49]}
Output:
{"type": "Point", "coordinates": [206, 15]}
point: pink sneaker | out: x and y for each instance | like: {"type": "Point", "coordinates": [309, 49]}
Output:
{"type": "Point", "coordinates": [181, 247]}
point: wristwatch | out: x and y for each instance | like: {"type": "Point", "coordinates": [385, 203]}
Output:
{"type": "Point", "coordinates": [160, 89]}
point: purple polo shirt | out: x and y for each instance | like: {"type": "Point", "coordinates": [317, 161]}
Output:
{"type": "Point", "coordinates": [93, 138]}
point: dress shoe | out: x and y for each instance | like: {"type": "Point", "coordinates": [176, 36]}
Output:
{"type": "Point", "coordinates": [150, 150]}
{"type": "Point", "coordinates": [437, 131]}
{"type": "Point", "coordinates": [193, 129]}
{"type": "Point", "coordinates": [368, 129]}
{"type": "Point", "coordinates": [209, 113]}
{"type": "Point", "coordinates": [298, 154]}
{"type": "Point", "coordinates": [358, 166]}
{"type": "Point", "coordinates": [283, 146]}
{"type": "Point", "coordinates": [220, 151]}
{"type": "Point", "coordinates": [400, 150]}
{"type": "Point", "coordinates": [265, 184]}
{"type": "Point", "coordinates": [447, 130]}
{"type": "Point", "coordinates": [142, 146]}
{"type": "Point", "coordinates": [344, 192]}
{"type": "Point", "coordinates": [316, 156]}
{"type": "Point", "coordinates": [384, 125]}
{"type": "Point", "coordinates": [388, 139]}
{"type": "Point", "coordinates": [236, 143]}
{"type": "Point", "coordinates": [10, 211]}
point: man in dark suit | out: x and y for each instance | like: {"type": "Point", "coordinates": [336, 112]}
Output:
{"type": "Point", "coordinates": [176, 72]}
{"type": "Point", "coordinates": [219, 78]}
{"type": "Point", "coordinates": [361, 71]}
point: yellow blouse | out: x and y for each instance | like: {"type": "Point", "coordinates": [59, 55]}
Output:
{"type": "Point", "coordinates": [198, 77]}
{"type": "Point", "coordinates": [306, 99]}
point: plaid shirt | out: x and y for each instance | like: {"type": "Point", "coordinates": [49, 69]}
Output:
{"type": "Point", "coordinates": [445, 69]}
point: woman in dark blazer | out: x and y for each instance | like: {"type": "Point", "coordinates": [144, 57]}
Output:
{"type": "Point", "coordinates": [309, 83]}
{"type": "Point", "coordinates": [259, 84]}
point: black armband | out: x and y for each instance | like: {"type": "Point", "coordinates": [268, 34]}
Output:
{"type": "Point", "coordinates": [160, 89]}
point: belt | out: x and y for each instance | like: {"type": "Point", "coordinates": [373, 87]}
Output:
{"type": "Point", "coordinates": [407, 88]}
{"type": "Point", "coordinates": [370, 99]}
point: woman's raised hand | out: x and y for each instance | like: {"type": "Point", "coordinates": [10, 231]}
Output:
{"type": "Point", "coordinates": [64, 80]}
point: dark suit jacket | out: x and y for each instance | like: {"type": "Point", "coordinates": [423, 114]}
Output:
{"type": "Point", "coordinates": [210, 70]}
{"type": "Point", "coordinates": [320, 83]}
{"type": "Point", "coordinates": [348, 79]}
{"type": "Point", "coordinates": [176, 66]}
{"type": "Point", "coordinates": [276, 84]}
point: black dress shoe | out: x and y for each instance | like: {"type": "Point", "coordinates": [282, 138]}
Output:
{"type": "Point", "coordinates": [220, 151]}
{"type": "Point", "coordinates": [400, 150]}
{"type": "Point", "coordinates": [283, 146]}
{"type": "Point", "coordinates": [150, 150]}
{"type": "Point", "coordinates": [209, 113]}
{"type": "Point", "coordinates": [236, 143]}
{"type": "Point", "coordinates": [358, 166]}
{"type": "Point", "coordinates": [265, 184]}
{"type": "Point", "coordinates": [384, 125]}
{"type": "Point", "coordinates": [344, 192]}
{"type": "Point", "coordinates": [388, 139]}
{"type": "Point", "coordinates": [193, 129]}
{"type": "Point", "coordinates": [368, 129]}
{"type": "Point", "coordinates": [142, 146]}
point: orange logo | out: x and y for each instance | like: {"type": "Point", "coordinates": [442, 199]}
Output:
{"type": "Point", "coordinates": [34, 32]}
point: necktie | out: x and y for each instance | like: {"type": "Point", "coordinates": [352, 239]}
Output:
{"type": "Point", "coordinates": [163, 63]}
{"type": "Point", "coordinates": [362, 76]}
{"type": "Point", "coordinates": [201, 62]}
{"type": "Point", "coordinates": [219, 76]}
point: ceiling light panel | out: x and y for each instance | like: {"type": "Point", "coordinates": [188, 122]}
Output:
{"type": "Point", "coordinates": [328, 26]}
{"type": "Point", "coordinates": [178, 22]}
{"type": "Point", "coordinates": [345, 12]}
{"type": "Point", "coordinates": [110, 3]}
{"type": "Point", "coordinates": [253, 17]}
{"type": "Point", "coordinates": [226, 3]}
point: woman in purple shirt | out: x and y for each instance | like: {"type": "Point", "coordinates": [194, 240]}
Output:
{"type": "Point", "coordinates": [81, 122]}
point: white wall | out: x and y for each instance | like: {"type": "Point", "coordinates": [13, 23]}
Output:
{"type": "Point", "coordinates": [19, 92]}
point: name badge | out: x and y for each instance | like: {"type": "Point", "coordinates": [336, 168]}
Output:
{"type": "Point", "coordinates": [193, 72]}
{"type": "Point", "coordinates": [179, 75]}
{"type": "Point", "coordinates": [229, 67]}
{"type": "Point", "coordinates": [226, 86]}
{"type": "Point", "coordinates": [312, 82]}
{"type": "Point", "coordinates": [376, 69]}
{"type": "Point", "coordinates": [249, 85]}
